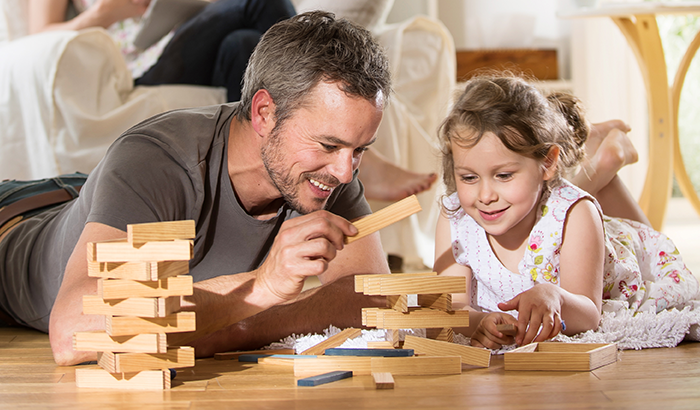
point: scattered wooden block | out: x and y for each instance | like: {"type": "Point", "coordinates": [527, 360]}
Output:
{"type": "Point", "coordinates": [369, 352]}
{"type": "Point", "coordinates": [566, 357]}
{"type": "Point", "coordinates": [176, 357]}
{"type": "Point", "coordinates": [360, 366]}
{"type": "Point", "coordinates": [417, 365]}
{"type": "Point", "coordinates": [138, 234]}
{"type": "Point", "coordinates": [142, 307]}
{"type": "Point", "coordinates": [507, 329]}
{"type": "Point", "coordinates": [392, 336]}
{"type": "Point", "coordinates": [235, 355]}
{"type": "Point", "coordinates": [252, 358]}
{"type": "Point", "coordinates": [162, 288]}
{"type": "Point", "coordinates": [399, 285]}
{"type": "Point", "coordinates": [415, 318]}
{"type": "Point", "coordinates": [130, 325]}
{"type": "Point", "coordinates": [144, 271]}
{"type": "Point", "coordinates": [324, 378]}
{"type": "Point", "coordinates": [333, 341]}
{"type": "Point", "coordinates": [284, 359]}
{"type": "Point", "coordinates": [143, 380]}
{"type": "Point", "coordinates": [445, 334]}
{"type": "Point", "coordinates": [380, 345]}
{"type": "Point", "coordinates": [468, 355]}
{"type": "Point", "coordinates": [439, 301]}
{"type": "Point", "coordinates": [385, 217]}
{"type": "Point", "coordinates": [360, 280]}
{"type": "Point", "coordinates": [102, 342]}
{"type": "Point", "coordinates": [397, 302]}
{"type": "Point", "coordinates": [122, 251]}
{"type": "Point", "coordinates": [383, 380]}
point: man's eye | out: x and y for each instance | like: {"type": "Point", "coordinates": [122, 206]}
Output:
{"type": "Point", "coordinates": [328, 147]}
{"type": "Point", "coordinates": [361, 150]}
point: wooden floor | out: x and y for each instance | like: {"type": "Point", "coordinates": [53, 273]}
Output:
{"type": "Point", "coordinates": [647, 379]}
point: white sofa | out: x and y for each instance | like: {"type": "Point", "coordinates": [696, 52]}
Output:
{"type": "Point", "coordinates": [66, 95]}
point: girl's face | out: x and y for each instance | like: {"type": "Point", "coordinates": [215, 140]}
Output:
{"type": "Point", "coordinates": [499, 188]}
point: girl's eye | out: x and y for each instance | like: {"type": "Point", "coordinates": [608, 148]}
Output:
{"type": "Point", "coordinates": [468, 178]}
{"type": "Point", "coordinates": [504, 176]}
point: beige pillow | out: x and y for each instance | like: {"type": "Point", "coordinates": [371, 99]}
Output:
{"type": "Point", "coordinates": [367, 13]}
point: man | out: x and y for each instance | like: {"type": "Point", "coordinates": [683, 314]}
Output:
{"type": "Point", "coordinates": [271, 183]}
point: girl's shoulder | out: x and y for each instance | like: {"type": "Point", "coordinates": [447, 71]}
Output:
{"type": "Point", "coordinates": [562, 197]}
{"type": "Point", "coordinates": [452, 207]}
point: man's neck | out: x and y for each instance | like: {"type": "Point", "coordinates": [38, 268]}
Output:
{"type": "Point", "coordinates": [247, 173]}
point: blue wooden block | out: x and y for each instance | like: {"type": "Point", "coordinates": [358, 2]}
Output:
{"type": "Point", "coordinates": [324, 378]}
{"type": "Point", "coordinates": [369, 352]}
{"type": "Point", "coordinates": [251, 358]}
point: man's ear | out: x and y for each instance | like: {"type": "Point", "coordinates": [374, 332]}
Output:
{"type": "Point", "coordinates": [262, 115]}
{"type": "Point", "coordinates": [551, 162]}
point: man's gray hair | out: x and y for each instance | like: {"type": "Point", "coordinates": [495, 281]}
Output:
{"type": "Point", "coordinates": [294, 55]}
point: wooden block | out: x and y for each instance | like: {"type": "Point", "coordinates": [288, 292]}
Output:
{"type": "Point", "coordinates": [142, 307]}
{"type": "Point", "coordinates": [540, 63]}
{"type": "Point", "coordinates": [415, 318]}
{"type": "Point", "coordinates": [129, 325]}
{"type": "Point", "coordinates": [360, 366]}
{"type": "Point", "coordinates": [235, 355]}
{"type": "Point", "coordinates": [439, 301]}
{"type": "Point", "coordinates": [162, 288]}
{"type": "Point", "coordinates": [143, 271]}
{"type": "Point", "coordinates": [176, 357]}
{"type": "Point", "coordinates": [566, 357]}
{"type": "Point", "coordinates": [138, 234]}
{"type": "Point", "coordinates": [507, 329]}
{"type": "Point", "coordinates": [383, 380]}
{"type": "Point", "coordinates": [333, 341]}
{"type": "Point", "coordinates": [143, 380]}
{"type": "Point", "coordinates": [397, 302]}
{"type": "Point", "coordinates": [324, 378]}
{"type": "Point", "coordinates": [392, 336]}
{"type": "Point", "coordinates": [99, 341]}
{"type": "Point", "coordinates": [417, 366]}
{"type": "Point", "coordinates": [369, 352]}
{"type": "Point", "coordinates": [445, 334]}
{"type": "Point", "coordinates": [380, 345]}
{"type": "Point", "coordinates": [399, 285]}
{"type": "Point", "coordinates": [122, 251]}
{"type": "Point", "coordinates": [252, 358]}
{"type": "Point", "coordinates": [474, 356]}
{"type": "Point", "coordinates": [385, 217]}
{"type": "Point", "coordinates": [361, 279]}
{"type": "Point", "coordinates": [283, 359]}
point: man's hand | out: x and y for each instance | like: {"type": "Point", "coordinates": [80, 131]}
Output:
{"type": "Point", "coordinates": [539, 313]}
{"type": "Point", "coordinates": [487, 335]}
{"type": "Point", "coordinates": [304, 247]}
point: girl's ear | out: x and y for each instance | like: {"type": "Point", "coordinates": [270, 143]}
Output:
{"type": "Point", "coordinates": [551, 162]}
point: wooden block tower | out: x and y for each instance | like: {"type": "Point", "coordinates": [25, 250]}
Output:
{"type": "Point", "coordinates": [434, 299]}
{"type": "Point", "coordinates": [141, 280]}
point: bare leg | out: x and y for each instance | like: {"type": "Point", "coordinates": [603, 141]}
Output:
{"type": "Point", "coordinates": [385, 181]}
{"type": "Point", "coordinates": [608, 150]}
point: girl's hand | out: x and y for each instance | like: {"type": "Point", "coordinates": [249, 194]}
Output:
{"type": "Point", "coordinates": [486, 335]}
{"type": "Point", "coordinates": [539, 313]}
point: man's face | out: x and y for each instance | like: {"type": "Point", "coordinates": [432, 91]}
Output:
{"type": "Point", "coordinates": [320, 146]}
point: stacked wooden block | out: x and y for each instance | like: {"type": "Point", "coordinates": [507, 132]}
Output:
{"type": "Point", "coordinates": [141, 281]}
{"type": "Point", "coordinates": [434, 313]}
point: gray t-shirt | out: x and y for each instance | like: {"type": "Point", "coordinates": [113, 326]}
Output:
{"type": "Point", "coordinates": [170, 167]}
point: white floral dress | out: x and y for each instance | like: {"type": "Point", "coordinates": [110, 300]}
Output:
{"type": "Point", "coordinates": [643, 269]}
{"type": "Point", "coordinates": [124, 33]}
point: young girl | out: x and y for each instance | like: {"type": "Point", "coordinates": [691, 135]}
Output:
{"type": "Point", "coordinates": [530, 242]}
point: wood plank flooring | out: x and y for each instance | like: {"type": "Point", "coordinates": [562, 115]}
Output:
{"type": "Point", "coordinates": [647, 379]}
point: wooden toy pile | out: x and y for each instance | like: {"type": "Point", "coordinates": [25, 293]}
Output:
{"type": "Point", "coordinates": [141, 281]}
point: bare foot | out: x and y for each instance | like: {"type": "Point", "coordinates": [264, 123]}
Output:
{"type": "Point", "coordinates": [601, 130]}
{"type": "Point", "coordinates": [615, 151]}
{"type": "Point", "coordinates": [385, 181]}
